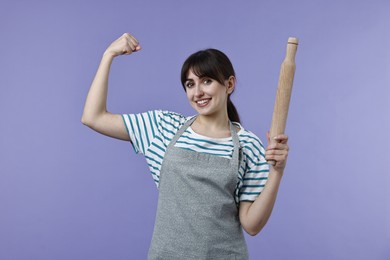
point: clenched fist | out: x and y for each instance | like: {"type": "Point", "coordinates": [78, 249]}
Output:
{"type": "Point", "coordinates": [126, 44]}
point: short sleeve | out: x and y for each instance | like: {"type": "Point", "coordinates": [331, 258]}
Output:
{"type": "Point", "coordinates": [255, 168]}
{"type": "Point", "coordinates": [150, 134]}
{"type": "Point", "coordinates": [142, 129]}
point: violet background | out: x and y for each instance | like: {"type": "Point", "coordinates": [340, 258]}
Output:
{"type": "Point", "coordinates": [67, 192]}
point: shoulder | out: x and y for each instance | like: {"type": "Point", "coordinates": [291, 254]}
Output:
{"type": "Point", "coordinates": [169, 119]}
{"type": "Point", "coordinates": [248, 137]}
{"type": "Point", "coordinates": [168, 123]}
{"type": "Point", "coordinates": [251, 144]}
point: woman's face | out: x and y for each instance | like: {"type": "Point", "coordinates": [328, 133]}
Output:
{"type": "Point", "coordinates": [206, 95]}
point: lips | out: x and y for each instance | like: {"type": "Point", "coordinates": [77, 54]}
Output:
{"type": "Point", "coordinates": [203, 102]}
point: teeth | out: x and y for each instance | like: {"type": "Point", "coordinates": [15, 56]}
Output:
{"type": "Point", "coordinates": [201, 102]}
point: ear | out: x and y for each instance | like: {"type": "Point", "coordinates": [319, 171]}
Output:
{"type": "Point", "coordinates": [231, 83]}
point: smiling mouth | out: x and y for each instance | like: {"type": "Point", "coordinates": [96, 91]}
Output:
{"type": "Point", "coordinates": [203, 102]}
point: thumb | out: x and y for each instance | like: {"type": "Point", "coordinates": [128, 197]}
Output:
{"type": "Point", "coordinates": [137, 48]}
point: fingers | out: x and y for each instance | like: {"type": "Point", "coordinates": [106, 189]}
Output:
{"type": "Point", "coordinates": [278, 150]}
{"type": "Point", "coordinates": [277, 146]}
{"type": "Point", "coordinates": [132, 43]}
{"type": "Point", "coordinates": [280, 144]}
{"type": "Point", "coordinates": [125, 44]}
{"type": "Point", "coordinates": [281, 138]}
{"type": "Point", "coordinates": [278, 158]}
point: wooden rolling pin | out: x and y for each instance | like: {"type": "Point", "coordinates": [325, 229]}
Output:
{"type": "Point", "coordinates": [283, 94]}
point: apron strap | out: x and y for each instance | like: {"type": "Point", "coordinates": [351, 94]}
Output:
{"type": "Point", "coordinates": [236, 158]}
{"type": "Point", "coordinates": [236, 142]}
{"type": "Point", "coordinates": [181, 131]}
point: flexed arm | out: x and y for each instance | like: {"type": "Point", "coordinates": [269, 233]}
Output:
{"type": "Point", "coordinates": [95, 113]}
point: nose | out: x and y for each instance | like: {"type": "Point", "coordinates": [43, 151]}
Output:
{"type": "Point", "coordinates": [198, 90]}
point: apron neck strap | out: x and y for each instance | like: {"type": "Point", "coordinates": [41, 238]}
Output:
{"type": "Point", "coordinates": [233, 132]}
{"type": "Point", "coordinates": [181, 131]}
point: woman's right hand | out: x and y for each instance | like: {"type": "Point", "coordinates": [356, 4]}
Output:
{"type": "Point", "coordinates": [126, 44]}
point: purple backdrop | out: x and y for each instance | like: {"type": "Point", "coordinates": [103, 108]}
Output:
{"type": "Point", "coordinates": [67, 192]}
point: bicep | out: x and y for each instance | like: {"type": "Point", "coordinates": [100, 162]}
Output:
{"type": "Point", "coordinates": [243, 214]}
{"type": "Point", "coordinates": [111, 125]}
{"type": "Point", "coordinates": [243, 209]}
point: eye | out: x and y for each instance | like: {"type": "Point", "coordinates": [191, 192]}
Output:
{"type": "Point", "coordinates": [189, 84]}
{"type": "Point", "coordinates": [207, 81]}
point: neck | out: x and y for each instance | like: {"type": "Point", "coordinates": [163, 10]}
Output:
{"type": "Point", "coordinates": [213, 123]}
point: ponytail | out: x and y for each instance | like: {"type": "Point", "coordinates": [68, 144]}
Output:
{"type": "Point", "coordinates": [232, 111]}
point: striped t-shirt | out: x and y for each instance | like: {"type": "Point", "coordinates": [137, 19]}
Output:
{"type": "Point", "coordinates": [151, 132]}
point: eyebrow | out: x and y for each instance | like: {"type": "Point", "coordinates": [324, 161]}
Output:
{"type": "Point", "coordinates": [200, 78]}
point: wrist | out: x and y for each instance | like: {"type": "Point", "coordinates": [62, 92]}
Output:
{"type": "Point", "coordinates": [276, 171]}
{"type": "Point", "coordinates": [109, 55]}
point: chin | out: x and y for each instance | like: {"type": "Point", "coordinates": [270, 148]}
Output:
{"type": "Point", "coordinates": [206, 111]}
{"type": "Point", "coordinates": [200, 111]}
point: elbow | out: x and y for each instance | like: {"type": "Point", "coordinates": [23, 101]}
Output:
{"type": "Point", "coordinates": [253, 232]}
{"type": "Point", "coordinates": [253, 229]}
{"type": "Point", "coordinates": [86, 121]}
{"type": "Point", "coordinates": [91, 119]}
{"type": "Point", "coordinates": [83, 121]}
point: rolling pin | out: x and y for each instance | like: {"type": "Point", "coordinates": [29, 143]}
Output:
{"type": "Point", "coordinates": [283, 93]}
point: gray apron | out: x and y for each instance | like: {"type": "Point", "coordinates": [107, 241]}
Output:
{"type": "Point", "coordinates": [197, 217]}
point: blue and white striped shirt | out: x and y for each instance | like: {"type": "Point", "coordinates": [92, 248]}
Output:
{"type": "Point", "coordinates": [151, 132]}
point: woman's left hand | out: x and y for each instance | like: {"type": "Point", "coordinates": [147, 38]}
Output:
{"type": "Point", "coordinates": [277, 151]}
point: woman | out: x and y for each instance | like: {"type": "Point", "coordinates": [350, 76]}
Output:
{"type": "Point", "coordinates": [210, 171]}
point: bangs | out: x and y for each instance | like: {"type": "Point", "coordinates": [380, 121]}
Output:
{"type": "Point", "coordinates": [206, 68]}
